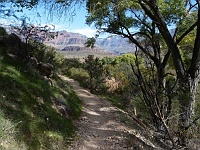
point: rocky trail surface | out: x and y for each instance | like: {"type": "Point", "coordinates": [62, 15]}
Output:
{"type": "Point", "coordinates": [100, 126]}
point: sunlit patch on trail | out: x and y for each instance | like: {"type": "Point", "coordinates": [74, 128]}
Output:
{"type": "Point", "coordinates": [86, 110]}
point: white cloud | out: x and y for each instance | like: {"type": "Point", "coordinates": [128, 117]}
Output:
{"type": "Point", "coordinates": [8, 22]}
{"type": "Point", "coordinates": [59, 27]}
{"type": "Point", "coordinates": [85, 31]}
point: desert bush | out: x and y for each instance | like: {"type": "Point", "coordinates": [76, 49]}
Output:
{"type": "Point", "coordinates": [58, 61]}
{"type": "Point", "coordinates": [46, 54]}
{"type": "Point", "coordinates": [71, 62]}
{"type": "Point", "coordinates": [42, 52]}
{"type": "Point", "coordinates": [79, 74]}
{"type": "Point", "coordinates": [119, 68]}
{"type": "Point", "coordinates": [95, 71]}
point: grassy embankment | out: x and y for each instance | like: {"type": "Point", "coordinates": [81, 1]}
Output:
{"type": "Point", "coordinates": [27, 117]}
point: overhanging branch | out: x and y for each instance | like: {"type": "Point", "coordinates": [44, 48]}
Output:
{"type": "Point", "coordinates": [186, 32]}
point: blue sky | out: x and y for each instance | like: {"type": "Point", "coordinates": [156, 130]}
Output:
{"type": "Point", "coordinates": [75, 24]}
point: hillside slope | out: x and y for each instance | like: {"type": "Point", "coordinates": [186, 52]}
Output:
{"type": "Point", "coordinates": [29, 118]}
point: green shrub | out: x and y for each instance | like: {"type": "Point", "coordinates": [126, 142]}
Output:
{"type": "Point", "coordinates": [95, 70]}
{"type": "Point", "coordinates": [71, 63]}
{"type": "Point", "coordinates": [78, 74]}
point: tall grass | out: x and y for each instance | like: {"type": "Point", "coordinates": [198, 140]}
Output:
{"type": "Point", "coordinates": [8, 134]}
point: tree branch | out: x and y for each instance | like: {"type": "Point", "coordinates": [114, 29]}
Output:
{"type": "Point", "coordinates": [162, 26]}
{"type": "Point", "coordinates": [192, 123]}
{"type": "Point", "coordinates": [166, 58]}
{"type": "Point", "coordinates": [142, 22]}
{"type": "Point", "coordinates": [137, 43]}
{"type": "Point", "coordinates": [147, 11]}
{"type": "Point", "coordinates": [186, 32]}
{"type": "Point", "coordinates": [141, 33]}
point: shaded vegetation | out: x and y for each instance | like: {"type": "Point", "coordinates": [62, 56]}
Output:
{"type": "Point", "coordinates": [28, 117]}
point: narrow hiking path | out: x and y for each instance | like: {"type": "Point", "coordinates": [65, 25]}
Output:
{"type": "Point", "coordinates": [100, 126]}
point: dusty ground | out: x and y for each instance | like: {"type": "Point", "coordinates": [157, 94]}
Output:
{"type": "Point", "coordinates": [100, 126]}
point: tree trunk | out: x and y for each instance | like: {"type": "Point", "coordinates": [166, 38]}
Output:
{"type": "Point", "coordinates": [187, 95]}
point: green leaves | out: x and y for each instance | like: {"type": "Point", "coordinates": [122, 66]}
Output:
{"type": "Point", "coordinates": [110, 14]}
{"type": "Point", "coordinates": [90, 42]}
{"type": "Point", "coordinates": [172, 10]}
{"type": "Point", "coordinates": [187, 22]}
{"type": "Point", "coordinates": [95, 71]}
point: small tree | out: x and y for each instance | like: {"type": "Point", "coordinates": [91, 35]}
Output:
{"type": "Point", "coordinates": [95, 71]}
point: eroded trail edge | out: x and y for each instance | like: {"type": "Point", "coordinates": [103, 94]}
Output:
{"type": "Point", "coordinates": [100, 126]}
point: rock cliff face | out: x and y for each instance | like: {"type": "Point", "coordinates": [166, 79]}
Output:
{"type": "Point", "coordinates": [76, 41]}
{"type": "Point", "coordinates": [78, 48]}
{"type": "Point", "coordinates": [116, 44]}
{"type": "Point", "coordinates": [67, 41]}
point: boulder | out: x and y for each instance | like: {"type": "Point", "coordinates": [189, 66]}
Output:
{"type": "Point", "coordinates": [32, 63]}
{"type": "Point", "coordinates": [16, 47]}
{"type": "Point", "coordinates": [3, 44]}
{"type": "Point", "coordinates": [3, 31]}
{"type": "Point", "coordinates": [45, 69]}
{"type": "Point", "coordinates": [62, 107]}
{"type": "Point", "coordinates": [14, 42]}
{"type": "Point", "coordinates": [3, 40]}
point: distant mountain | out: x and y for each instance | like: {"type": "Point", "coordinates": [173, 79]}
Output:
{"type": "Point", "coordinates": [116, 44]}
{"type": "Point", "coordinates": [68, 41]}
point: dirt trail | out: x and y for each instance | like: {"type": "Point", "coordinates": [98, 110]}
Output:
{"type": "Point", "coordinates": [99, 127]}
